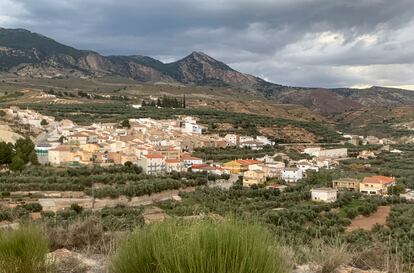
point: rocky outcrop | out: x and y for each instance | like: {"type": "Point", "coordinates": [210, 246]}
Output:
{"type": "Point", "coordinates": [67, 261]}
{"type": "Point", "coordinates": [200, 68]}
{"type": "Point", "coordinates": [314, 268]}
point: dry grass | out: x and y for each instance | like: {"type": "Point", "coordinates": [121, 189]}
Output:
{"type": "Point", "coordinates": [325, 257]}
{"type": "Point", "coordinates": [83, 235]}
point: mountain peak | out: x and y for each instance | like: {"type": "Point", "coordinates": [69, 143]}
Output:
{"type": "Point", "coordinates": [199, 54]}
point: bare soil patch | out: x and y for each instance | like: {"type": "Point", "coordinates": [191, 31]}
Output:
{"type": "Point", "coordinates": [366, 223]}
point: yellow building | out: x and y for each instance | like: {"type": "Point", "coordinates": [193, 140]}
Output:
{"type": "Point", "coordinates": [233, 167]}
{"type": "Point", "coordinates": [91, 148]}
{"type": "Point", "coordinates": [376, 184]}
{"type": "Point", "coordinates": [239, 166]}
{"type": "Point", "coordinates": [59, 155]}
{"type": "Point", "coordinates": [348, 184]}
{"type": "Point", "coordinates": [254, 177]}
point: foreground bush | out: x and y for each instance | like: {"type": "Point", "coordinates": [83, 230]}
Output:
{"type": "Point", "coordinates": [23, 251]}
{"type": "Point", "coordinates": [199, 247]}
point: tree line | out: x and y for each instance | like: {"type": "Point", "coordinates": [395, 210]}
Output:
{"type": "Point", "coordinates": [166, 102]}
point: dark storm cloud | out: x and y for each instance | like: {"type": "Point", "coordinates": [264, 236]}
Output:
{"type": "Point", "coordinates": [295, 42]}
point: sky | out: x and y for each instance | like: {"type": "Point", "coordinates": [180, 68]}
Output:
{"type": "Point", "coordinates": [314, 43]}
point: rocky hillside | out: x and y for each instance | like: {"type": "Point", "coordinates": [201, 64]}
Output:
{"type": "Point", "coordinates": [30, 54]}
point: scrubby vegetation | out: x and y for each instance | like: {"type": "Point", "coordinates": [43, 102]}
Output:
{"type": "Point", "coordinates": [200, 247]}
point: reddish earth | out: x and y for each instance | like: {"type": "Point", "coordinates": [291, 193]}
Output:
{"type": "Point", "coordinates": [366, 223]}
{"type": "Point", "coordinates": [288, 132]}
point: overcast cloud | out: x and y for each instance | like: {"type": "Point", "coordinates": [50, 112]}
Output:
{"type": "Point", "coordinates": [319, 43]}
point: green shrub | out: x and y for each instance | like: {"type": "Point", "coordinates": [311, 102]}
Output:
{"type": "Point", "coordinates": [76, 207]}
{"type": "Point", "coordinates": [31, 207]}
{"type": "Point", "coordinates": [200, 247]}
{"type": "Point", "coordinates": [23, 251]}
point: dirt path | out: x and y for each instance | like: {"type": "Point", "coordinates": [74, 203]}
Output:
{"type": "Point", "coordinates": [366, 223]}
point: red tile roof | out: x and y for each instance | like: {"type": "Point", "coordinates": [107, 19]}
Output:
{"type": "Point", "coordinates": [61, 148]}
{"type": "Point", "coordinates": [203, 167]}
{"type": "Point", "coordinates": [246, 162]}
{"type": "Point", "coordinates": [378, 179]}
{"type": "Point", "coordinates": [172, 161]}
{"type": "Point", "coordinates": [153, 156]}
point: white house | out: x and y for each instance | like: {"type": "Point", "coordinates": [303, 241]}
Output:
{"type": "Point", "coordinates": [275, 168]}
{"type": "Point", "coordinates": [312, 150]}
{"type": "Point", "coordinates": [191, 128]}
{"type": "Point", "coordinates": [328, 195]}
{"type": "Point", "coordinates": [254, 145]}
{"type": "Point", "coordinates": [264, 140]}
{"type": "Point", "coordinates": [245, 139]}
{"type": "Point", "coordinates": [306, 166]}
{"type": "Point", "coordinates": [173, 165]}
{"type": "Point", "coordinates": [189, 160]}
{"type": "Point", "coordinates": [331, 153]}
{"type": "Point", "coordinates": [291, 175]}
{"type": "Point", "coordinates": [152, 163]}
{"type": "Point", "coordinates": [232, 139]}
{"type": "Point", "coordinates": [42, 152]}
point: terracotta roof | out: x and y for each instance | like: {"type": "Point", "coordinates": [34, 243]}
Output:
{"type": "Point", "coordinates": [61, 148]}
{"type": "Point", "coordinates": [246, 162]}
{"type": "Point", "coordinates": [199, 166]}
{"type": "Point", "coordinates": [378, 179]}
{"type": "Point", "coordinates": [172, 161]}
{"type": "Point", "coordinates": [153, 156]}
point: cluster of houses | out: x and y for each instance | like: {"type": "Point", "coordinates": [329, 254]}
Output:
{"type": "Point", "coordinates": [27, 117]}
{"type": "Point", "coordinates": [160, 146]}
{"type": "Point", "coordinates": [371, 185]}
{"type": "Point", "coordinates": [260, 170]}
{"type": "Point", "coordinates": [368, 140]}
{"type": "Point", "coordinates": [371, 154]}
{"type": "Point", "coordinates": [156, 145]}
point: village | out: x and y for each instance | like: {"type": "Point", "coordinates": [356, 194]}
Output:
{"type": "Point", "coordinates": [166, 146]}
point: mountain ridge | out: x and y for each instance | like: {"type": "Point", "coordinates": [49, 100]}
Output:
{"type": "Point", "coordinates": [31, 54]}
